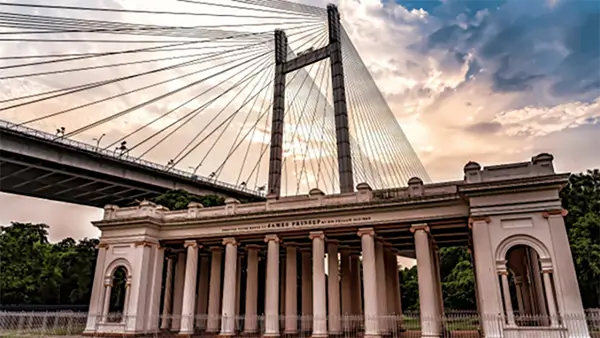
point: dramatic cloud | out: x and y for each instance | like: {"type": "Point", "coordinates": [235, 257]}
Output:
{"type": "Point", "coordinates": [490, 81]}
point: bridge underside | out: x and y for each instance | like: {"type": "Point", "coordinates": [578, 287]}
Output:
{"type": "Point", "coordinates": [50, 170]}
{"type": "Point", "coordinates": [30, 177]}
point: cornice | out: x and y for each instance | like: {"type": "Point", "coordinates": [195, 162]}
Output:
{"type": "Point", "coordinates": [512, 185]}
{"type": "Point", "coordinates": [321, 211]}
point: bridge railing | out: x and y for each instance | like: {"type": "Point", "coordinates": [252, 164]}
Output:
{"type": "Point", "coordinates": [125, 157]}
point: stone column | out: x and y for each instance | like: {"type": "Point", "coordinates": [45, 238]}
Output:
{"type": "Point", "coordinates": [189, 288]}
{"type": "Point", "coordinates": [507, 301]}
{"type": "Point", "coordinates": [427, 292]}
{"type": "Point", "coordinates": [381, 287]}
{"type": "Point", "coordinates": [282, 290]}
{"type": "Point", "coordinates": [370, 282]}
{"type": "Point", "coordinates": [319, 302]}
{"type": "Point", "coordinates": [272, 287]}
{"type": "Point", "coordinates": [291, 303]}
{"type": "Point", "coordinates": [355, 269]}
{"type": "Point", "coordinates": [214, 291]}
{"type": "Point", "coordinates": [397, 296]}
{"type": "Point", "coordinates": [106, 305]}
{"type": "Point", "coordinates": [346, 286]}
{"type": "Point", "coordinates": [335, 325]}
{"type": "Point", "coordinates": [306, 292]}
{"type": "Point", "coordinates": [228, 314]}
{"type": "Point", "coordinates": [96, 299]}
{"type": "Point", "coordinates": [178, 292]}
{"type": "Point", "coordinates": [390, 266]}
{"type": "Point", "coordinates": [250, 322]}
{"type": "Point", "coordinates": [203, 285]}
{"type": "Point", "coordinates": [166, 313]}
{"type": "Point", "coordinates": [518, 286]}
{"type": "Point", "coordinates": [238, 286]}
{"type": "Point", "coordinates": [550, 297]}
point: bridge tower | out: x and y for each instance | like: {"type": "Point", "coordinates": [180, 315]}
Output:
{"type": "Point", "coordinates": [333, 51]}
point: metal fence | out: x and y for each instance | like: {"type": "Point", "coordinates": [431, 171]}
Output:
{"type": "Point", "coordinates": [461, 324]}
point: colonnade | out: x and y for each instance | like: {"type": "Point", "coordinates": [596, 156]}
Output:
{"type": "Point", "coordinates": [203, 302]}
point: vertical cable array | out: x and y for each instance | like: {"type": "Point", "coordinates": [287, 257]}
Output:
{"type": "Point", "coordinates": [196, 92]}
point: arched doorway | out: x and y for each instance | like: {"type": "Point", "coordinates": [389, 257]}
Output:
{"type": "Point", "coordinates": [116, 295]}
{"type": "Point", "coordinates": [528, 291]}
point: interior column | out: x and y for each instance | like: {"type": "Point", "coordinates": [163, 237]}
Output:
{"type": "Point", "coordinates": [229, 286]}
{"type": "Point", "coordinates": [166, 313]}
{"type": "Point", "coordinates": [370, 282]}
{"type": "Point", "coordinates": [306, 292]}
{"type": "Point", "coordinates": [178, 291]}
{"type": "Point", "coordinates": [272, 287]}
{"type": "Point", "coordinates": [381, 287]}
{"type": "Point", "coordinates": [202, 301]}
{"type": "Point", "coordinates": [346, 286]}
{"type": "Point", "coordinates": [319, 301]}
{"type": "Point", "coordinates": [189, 288]}
{"type": "Point", "coordinates": [250, 322]}
{"type": "Point", "coordinates": [427, 293]}
{"type": "Point", "coordinates": [291, 302]}
{"type": "Point", "coordinates": [333, 284]}
{"type": "Point", "coordinates": [214, 292]}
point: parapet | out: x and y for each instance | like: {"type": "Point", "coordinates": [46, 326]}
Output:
{"type": "Point", "coordinates": [540, 165]}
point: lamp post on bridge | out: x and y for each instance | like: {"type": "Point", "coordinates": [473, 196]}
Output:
{"type": "Point", "coordinates": [98, 139]}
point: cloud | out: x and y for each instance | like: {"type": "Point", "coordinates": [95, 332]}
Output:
{"type": "Point", "coordinates": [490, 81]}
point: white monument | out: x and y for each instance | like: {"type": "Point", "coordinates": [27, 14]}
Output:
{"type": "Point", "coordinates": [509, 216]}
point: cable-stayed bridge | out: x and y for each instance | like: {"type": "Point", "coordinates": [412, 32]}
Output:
{"type": "Point", "coordinates": [241, 98]}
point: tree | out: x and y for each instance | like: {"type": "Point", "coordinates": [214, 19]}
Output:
{"type": "Point", "coordinates": [179, 199]}
{"type": "Point", "coordinates": [29, 266]}
{"type": "Point", "coordinates": [581, 198]}
{"type": "Point", "coordinates": [409, 289]}
{"type": "Point", "coordinates": [37, 272]}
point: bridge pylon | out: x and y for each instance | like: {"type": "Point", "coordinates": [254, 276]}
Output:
{"type": "Point", "coordinates": [333, 51]}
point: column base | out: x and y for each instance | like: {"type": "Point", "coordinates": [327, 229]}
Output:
{"type": "Point", "coordinates": [373, 335]}
{"type": "Point", "coordinates": [271, 334]}
{"type": "Point", "coordinates": [319, 335]}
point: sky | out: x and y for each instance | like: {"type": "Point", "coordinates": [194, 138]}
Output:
{"type": "Point", "coordinates": [489, 81]}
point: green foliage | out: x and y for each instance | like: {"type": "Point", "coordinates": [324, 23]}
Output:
{"type": "Point", "coordinates": [409, 289]}
{"type": "Point", "coordinates": [35, 271]}
{"type": "Point", "coordinates": [179, 200]}
{"type": "Point", "coordinates": [581, 198]}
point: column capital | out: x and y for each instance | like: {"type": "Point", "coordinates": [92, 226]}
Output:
{"type": "Point", "coordinates": [547, 270]}
{"type": "Point", "coordinates": [305, 251]}
{"type": "Point", "coordinates": [144, 244]}
{"type": "Point", "coordinates": [229, 241]}
{"type": "Point", "coordinates": [365, 231]}
{"type": "Point", "coordinates": [316, 234]}
{"type": "Point", "coordinates": [191, 243]}
{"type": "Point", "coordinates": [205, 255]}
{"type": "Point", "coordinates": [102, 245]}
{"type": "Point", "coordinates": [421, 226]}
{"type": "Point", "coordinates": [354, 253]}
{"type": "Point", "coordinates": [474, 219]}
{"type": "Point", "coordinates": [291, 245]}
{"type": "Point", "coordinates": [561, 212]}
{"type": "Point", "coordinates": [518, 280]}
{"type": "Point", "coordinates": [215, 249]}
{"type": "Point", "coordinates": [272, 237]}
{"type": "Point", "coordinates": [249, 247]}
{"type": "Point", "coordinates": [333, 242]}
{"type": "Point", "coordinates": [344, 249]}
{"type": "Point", "coordinates": [503, 272]}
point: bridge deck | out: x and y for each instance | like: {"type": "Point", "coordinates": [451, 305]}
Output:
{"type": "Point", "coordinates": [35, 163]}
